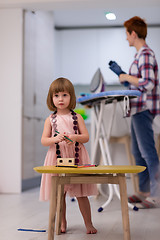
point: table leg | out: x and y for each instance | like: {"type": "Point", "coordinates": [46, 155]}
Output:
{"type": "Point", "coordinates": [60, 200]}
{"type": "Point", "coordinates": [53, 207]}
{"type": "Point", "coordinates": [124, 206]}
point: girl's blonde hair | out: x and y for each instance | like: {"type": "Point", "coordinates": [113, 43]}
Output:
{"type": "Point", "coordinates": [61, 85]}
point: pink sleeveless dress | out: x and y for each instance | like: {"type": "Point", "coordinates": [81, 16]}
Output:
{"type": "Point", "coordinates": [65, 125]}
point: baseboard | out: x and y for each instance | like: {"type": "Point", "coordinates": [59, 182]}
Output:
{"type": "Point", "coordinates": [31, 183]}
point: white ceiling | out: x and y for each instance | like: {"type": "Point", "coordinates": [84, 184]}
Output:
{"type": "Point", "coordinates": [71, 13]}
{"type": "Point", "coordinates": [96, 17]}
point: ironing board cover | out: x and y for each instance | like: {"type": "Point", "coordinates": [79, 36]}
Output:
{"type": "Point", "coordinates": [108, 95]}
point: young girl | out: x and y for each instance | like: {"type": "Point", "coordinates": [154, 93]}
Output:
{"type": "Point", "coordinates": [61, 100]}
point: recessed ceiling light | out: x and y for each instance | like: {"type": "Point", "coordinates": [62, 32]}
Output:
{"type": "Point", "coordinates": [110, 16]}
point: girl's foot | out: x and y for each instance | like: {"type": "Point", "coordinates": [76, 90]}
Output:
{"type": "Point", "coordinates": [63, 226]}
{"type": "Point", "coordinates": [91, 229]}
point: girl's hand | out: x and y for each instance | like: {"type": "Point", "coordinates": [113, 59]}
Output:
{"type": "Point", "coordinates": [59, 138]}
{"type": "Point", "coordinates": [73, 137]}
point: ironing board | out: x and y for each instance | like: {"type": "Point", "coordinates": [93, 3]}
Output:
{"type": "Point", "coordinates": [94, 98]}
{"type": "Point", "coordinates": [98, 134]}
{"type": "Point", "coordinates": [94, 175]}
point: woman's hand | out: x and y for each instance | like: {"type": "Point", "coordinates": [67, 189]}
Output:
{"type": "Point", "coordinates": [131, 79]}
{"type": "Point", "coordinates": [122, 77]}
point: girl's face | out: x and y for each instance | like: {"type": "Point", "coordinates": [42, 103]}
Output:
{"type": "Point", "coordinates": [61, 100]}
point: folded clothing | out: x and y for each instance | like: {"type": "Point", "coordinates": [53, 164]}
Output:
{"type": "Point", "coordinates": [117, 70]}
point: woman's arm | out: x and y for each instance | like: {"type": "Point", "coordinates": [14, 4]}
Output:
{"type": "Point", "coordinates": [131, 79]}
{"type": "Point", "coordinates": [146, 82]}
{"type": "Point", "coordinates": [47, 139]}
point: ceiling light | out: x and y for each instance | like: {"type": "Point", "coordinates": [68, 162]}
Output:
{"type": "Point", "coordinates": [110, 16]}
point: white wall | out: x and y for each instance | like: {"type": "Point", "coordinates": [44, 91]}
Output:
{"type": "Point", "coordinates": [10, 99]}
{"type": "Point", "coordinates": [81, 52]}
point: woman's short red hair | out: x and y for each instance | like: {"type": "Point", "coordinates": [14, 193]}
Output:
{"type": "Point", "coordinates": [138, 25]}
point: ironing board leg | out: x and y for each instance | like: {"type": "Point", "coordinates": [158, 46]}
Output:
{"type": "Point", "coordinates": [124, 206]}
{"type": "Point", "coordinates": [53, 207]}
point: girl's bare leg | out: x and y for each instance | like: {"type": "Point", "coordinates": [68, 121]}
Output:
{"type": "Point", "coordinates": [64, 222]}
{"type": "Point", "coordinates": [85, 209]}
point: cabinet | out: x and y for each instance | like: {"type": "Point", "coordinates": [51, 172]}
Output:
{"type": "Point", "coordinates": [38, 75]}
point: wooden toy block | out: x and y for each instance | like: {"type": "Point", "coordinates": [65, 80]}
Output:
{"type": "Point", "coordinates": [66, 162]}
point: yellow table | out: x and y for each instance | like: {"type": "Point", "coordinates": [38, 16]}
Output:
{"type": "Point", "coordinates": [94, 175]}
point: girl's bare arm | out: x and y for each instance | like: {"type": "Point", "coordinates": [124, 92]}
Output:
{"type": "Point", "coordinates": [47, 139]}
